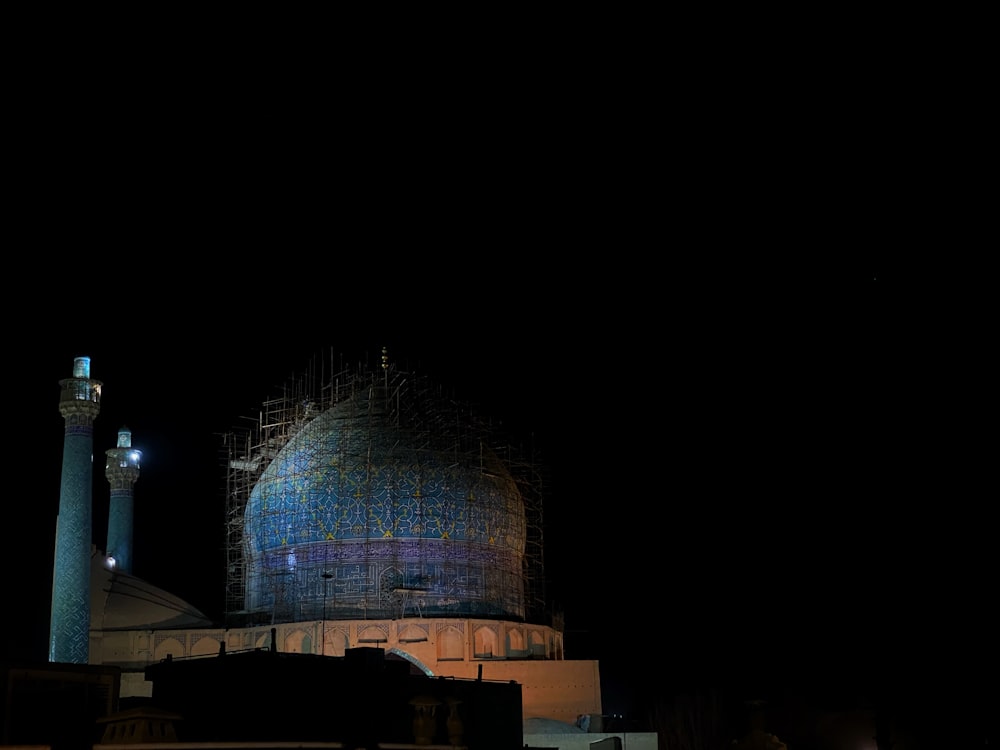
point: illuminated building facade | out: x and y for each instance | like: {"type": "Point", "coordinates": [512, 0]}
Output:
{"type": "Point", "coordinates": [363, 509]}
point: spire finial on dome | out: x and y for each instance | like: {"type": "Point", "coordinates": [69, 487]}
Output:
{"type": "Point", "coordinates": [385, 358]}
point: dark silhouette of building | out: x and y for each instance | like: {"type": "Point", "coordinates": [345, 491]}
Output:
{"type": "Point", "coordinates": [361, 699]}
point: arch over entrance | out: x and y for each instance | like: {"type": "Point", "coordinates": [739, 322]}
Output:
{"type": "Point", "coordinates": [412, 659]}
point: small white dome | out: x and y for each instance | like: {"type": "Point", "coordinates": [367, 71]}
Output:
{"type": "Point", "coordinates": [120, 601]}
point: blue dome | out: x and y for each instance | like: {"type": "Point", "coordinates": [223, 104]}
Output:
{"type": "Point", "coordinates": [364, 514]}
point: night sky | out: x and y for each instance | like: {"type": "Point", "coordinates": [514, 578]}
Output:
{"type": "Point", "coordinates": [689, 480]}
{"type": "Point", "coordinates": [724, 502]}
{"type": "Point", "coordinates": [663, 263]}
{"type": "Point", "coordinates": [750, 480]}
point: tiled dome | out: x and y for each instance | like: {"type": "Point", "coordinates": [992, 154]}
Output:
{"type": "Point", "coordinates": [362, 514]}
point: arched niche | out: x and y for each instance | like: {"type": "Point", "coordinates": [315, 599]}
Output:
{"type": "Point", "coordinates": [450, 644]}
{"type": "Point", "coordinates": [486, 643]}
{"type": "Point", "coordinates": [335, 642]}
{"type": "Point", "coordinates": [168, 647]}
{"type": "Point", "coordinates": [205, 646]}
{"type": "Point", "coordinates": [297, 641]}
{"type": "Point", "coordinates": [515, 646]}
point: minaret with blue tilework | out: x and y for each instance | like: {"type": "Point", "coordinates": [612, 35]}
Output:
{"type": "Point", "coordinates": [69, 629]}
{"type": "Point", "coordinates": [122, 471]}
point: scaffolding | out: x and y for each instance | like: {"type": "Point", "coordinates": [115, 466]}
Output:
{"type": "Point", "coordinates": [416, 506]}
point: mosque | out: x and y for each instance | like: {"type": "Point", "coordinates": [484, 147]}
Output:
{"type": "Point", "coordinates": [363, 509]}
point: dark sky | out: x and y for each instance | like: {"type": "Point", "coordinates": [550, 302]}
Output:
{"type": "Point", "coordinates": [713, 482]}
{"type": "Point", "coordinates": [746, 433]}
{"type": "Point", "coordinates": [660, 262]}
{"type": "Point", "coordinates": [738, 494]}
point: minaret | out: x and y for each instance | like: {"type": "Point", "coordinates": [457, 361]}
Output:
{"type": "Point", "coordinates": [69, 630]}
{"type": "Point", "coordinates": [122, 470]}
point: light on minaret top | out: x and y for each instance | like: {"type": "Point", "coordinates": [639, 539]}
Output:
{"type": "Point", "coordinates": [124, 454]}
{"type": "Point", "coordinates": [80, 394]}
{"type": "Point", "coordinates": [81, 367]}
